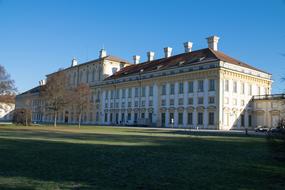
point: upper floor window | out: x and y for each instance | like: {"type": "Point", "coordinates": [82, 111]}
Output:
{"type": "Point", "coordinates": [181, 88]}
{"type": "Point", "coordinates": [212, 85]}
{"type": "Point", "coordinates": [250, 90]}
{"type": "Point", "coordinates": [163, 89]}
{"type": "Point", "coordinates": [235, 87]}
{"type": "Point", "coordinates": [93, 75]}
{"type": "Point", "coordinates": [190, 87]}
{"type": "Point", "coordinates": [200, 86]}
{"type": "Point", "coordinates": [242, 88]}
{"type": "Point", "coordinates": [123, 93]}
{"type": "Point", "coordinates": [136, 92]}
{"type": "Point", "coordinates": [130, 92]}
{"type": "Point", "coordinates": [143, 91]}
{"type": "Point", "coordinates": [172, 89]}
{"type": "Point", "coordinates": [226, 85]}
{"type": "Point", "coordinates": [151, 91]}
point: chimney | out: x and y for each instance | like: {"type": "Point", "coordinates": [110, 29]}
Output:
{"type": "Point", "coordinates": [102, 53]}
{"type": "Point", "coordinates": [136, 59]}
{"type": "Point", "coordinates": [167, 52]}
{"type": "Point", "coordinates": [42, 82]}
{"type": "Point", "coordinates": [150, 56]}
{"type": "Point", "coordinates": [213, 42]}
{"type": "Point", "coordinates": [188, 46]}
{"type": "Point", "coordinates": [74, 62]}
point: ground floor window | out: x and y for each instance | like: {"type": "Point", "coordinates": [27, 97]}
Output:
{"type": "Point", "coordinates": [142, 115]}
{"type": "Point", "coordinates": [150, 117]}
{"type": "Point", "coordinates": [117, 118]}
{"type": "Point", "coordinates": [163, 119]}
{"type": "Point", "coordinates": [249, 120]}
{"type": "Point", "coordinates": [200, 118]}
{"type": "Point", "coordinates": [190, 118]}
{"type": "Point", "coordinates": [211, 118]}
{"type": "Point", "coordinates": [123, 117]}
{"type": "Point", "coordinates": [136, 117]}
{"type": "Point", "coordinates": [242, 120]}
{"type": "Point", "coordinates": [129, 116]}
{"type": "Point", "coordinates": [171, 118]}
{"type": "Point", "coordinates": [111, 117]}
{"type": "Point", "coordinates": [180, 118]}
{"type": "Point", "coordinates": [106, 117]}
{"type": "Point", "coordinates": [97, 116]}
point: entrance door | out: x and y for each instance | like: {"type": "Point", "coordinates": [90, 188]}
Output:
{"type": "Point", "coordinates": [66, 117]}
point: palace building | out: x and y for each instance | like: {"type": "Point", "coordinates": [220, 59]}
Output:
{"type": "Point", "coordinates": [202, 88]}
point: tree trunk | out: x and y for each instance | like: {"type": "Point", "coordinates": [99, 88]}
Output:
{"type": "Point", "coordinates": [26, 119]}
{"type": "Point", "coordinates": [79, 120]}
{"type": "Point", "coordinates": [55, 117]}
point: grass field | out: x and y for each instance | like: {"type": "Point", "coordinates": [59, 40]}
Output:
{"type": "Point", "coordinates": [132, 158]}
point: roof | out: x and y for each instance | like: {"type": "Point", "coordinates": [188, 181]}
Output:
{"type": "Point", "coordinates": [109, 57]}
{"type": "Point", "coordinates": [31, 91]}
{"type": "Point", "coordinates": [190, 58]}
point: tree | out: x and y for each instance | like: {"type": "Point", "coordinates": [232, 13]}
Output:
{"type": "Point", "coordinates": [7, 87]}
{"type": "Point", "coordinates": [22, 116]}
{"type": "Point", "coordinates": [56, 94]}
{"type": "Point", "coordinates": [81, 100]}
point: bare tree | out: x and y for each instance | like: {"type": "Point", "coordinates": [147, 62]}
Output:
{"type": "Point", "coordinates": [81, 100]}
{"type": "Point", "coordinates": [55, 94]}
{"type": "Point", "coordinates": [7, 87]}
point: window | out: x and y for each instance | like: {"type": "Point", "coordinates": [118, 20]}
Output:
{"type": "Point", "coordinates": [143, 103]}
{"type": "Point", "coordinates": [190, 118]}
{"type": "Point", "coordinates": [142, 115]}
{"type": "Point", "coordinates": [136, 103]}
{"type": "Point", "coordinates": [250, 90]}
{"type": "Point", "coordinates": [235, 102]}
{"type": "Point", "coordinates": [259, 91]}
{"type": "Point", "coordinates": [150, 103]}
{"type": "Point", "coordinates": [242, 103]}
{"type": "Point", "coordinates": [123, 117]}
{"type": "Point", "coordinates": [123, 93]}
{"type": "Point", "coordinates": [93, 75]}
{"type": "Point", "coordinates": [129, 92]}
{"type": "Point", "coordinates": [180, 118]}
{"type": "Point", "coordinates": [249, 121]}
{"type": "Point", "coordinates": [150, 117]}
{"type": "Point", "coordinates": [190, 101]}
{"type": "Point", "coordinates": [123, 104]}
{"type": "Point", "coordinates": [171, 102]}
{"type": "Point", "coordinates": [212, 85]}
{"type": "Point", "coordinates": [180, 101]}
{"type": "Point", "coordinates": [190, 87]}
{"type": "Point", "coordinates": [163, 119]}
{"type": "Point", "coordinates": [163, 102]}
{"type": "Point", "coordinates": [163, 89]}
{"type": "Point", "coordinates": [112, 105]}
{"type": "Point", "coordinates": [211, 100]}
{"type": "Point", "coordinates": [136, 92]}
{"type": "Point", "coordinates": [129, 116]}
{"type": "Point", "coordinates": [226, 100]}
{"type": "Point", "coordinates": [117, 94]}
{"type": "Point", "coordinates": [226, 85]}
{"type": "Point", "coordinates": [242, 120]}
{"type": "Point", "coordinates": [200, 118]}
{"type": "Point", "coordinates": [200, 86]}
{"type": "Point", "coordinates": [143, 91]}
{"type": "Point", "coordinates": [242, 88]}
{"type": "Point", "coordinates": [171, 118]}
{"type": "Point", "coordinates": [106, 94]}
{"type": "Point", "coordinates": [129, 104]}
{"type": "Point", "coordinates": [172, 89]}
{"type": "Point", "coordinates": [235, 87]}
{"type": "Point", "coordinates": [106, 117]}
{"type": "Point", "coordinates": [136, 117]}
{"type": "Point", "coordinates": [200, 100]}
{"type": "Point", "coordinates": [151, 91]}
{"type": "Point", "coordinates": [181, 88]}
{"type": "Point", "coordinates": [211, 118]}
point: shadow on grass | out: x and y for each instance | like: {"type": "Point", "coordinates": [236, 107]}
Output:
{"type": "Point", "coordinates": [156, 163]}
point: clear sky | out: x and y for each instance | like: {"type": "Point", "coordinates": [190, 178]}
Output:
{"type": "Point", "coordinates": [39, 37]}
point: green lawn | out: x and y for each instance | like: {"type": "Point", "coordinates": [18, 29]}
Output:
{"type": "Point", "coordinates": [121, 158]}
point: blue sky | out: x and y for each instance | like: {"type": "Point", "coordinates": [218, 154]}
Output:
{"type": "Point", "coordinates": [38, 37]}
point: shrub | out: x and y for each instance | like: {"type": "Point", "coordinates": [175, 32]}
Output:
{"type": "Point", "coordinates": [22, 117]}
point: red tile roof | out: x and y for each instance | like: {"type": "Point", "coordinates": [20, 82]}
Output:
{"type": "Point", "coordinates": [194, 57]}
